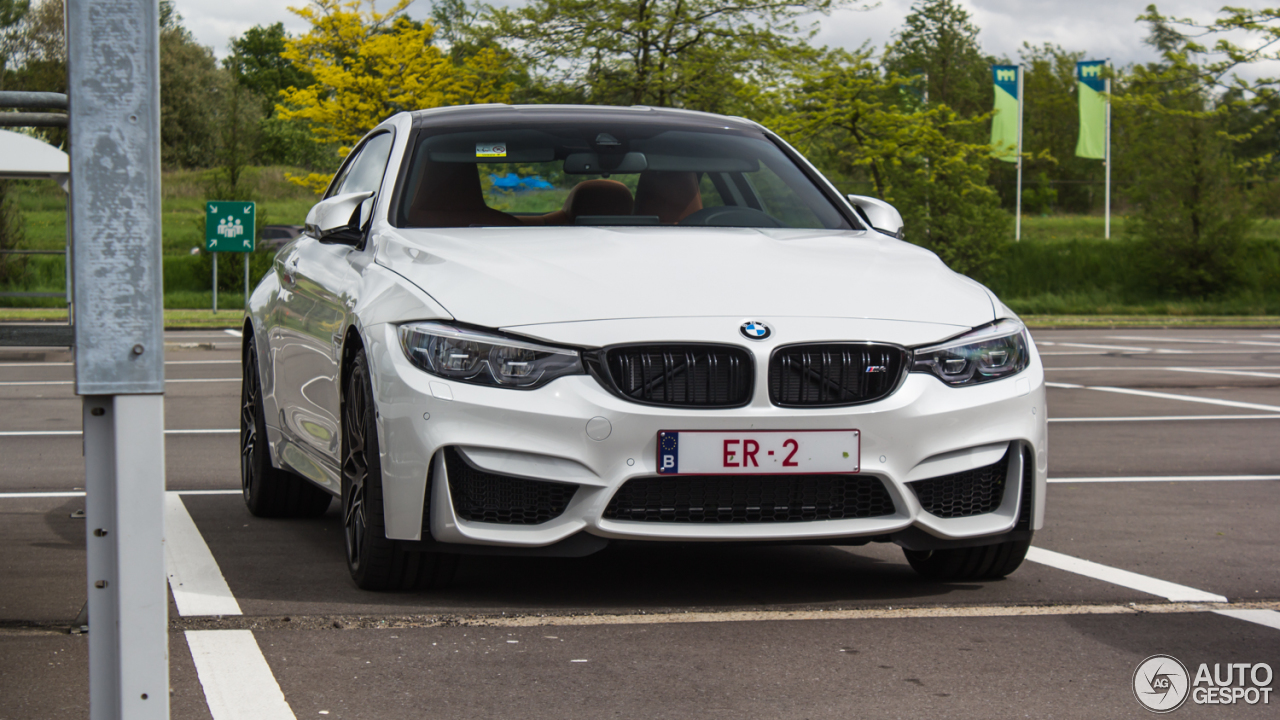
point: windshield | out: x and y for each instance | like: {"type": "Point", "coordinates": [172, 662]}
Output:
{"type": "Point", "coordinates": [608, 174]}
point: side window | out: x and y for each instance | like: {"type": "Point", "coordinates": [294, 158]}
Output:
{"type": "Point", "coordinates": [364, 172]}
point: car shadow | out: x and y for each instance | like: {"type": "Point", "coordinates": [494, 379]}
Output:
{"type": "Point", "coordinates": [280, 567]}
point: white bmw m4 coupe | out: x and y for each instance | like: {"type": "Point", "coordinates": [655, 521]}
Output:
{"type": "Point", "coordinates": [540, 330]}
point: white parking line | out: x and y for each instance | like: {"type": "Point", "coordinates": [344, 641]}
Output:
{"type": "Point", "coordinates": [80, 493]}
{"type": "Point", "coordinates": [236, 333]}
{"type": "Point", "coordinates": [1211, 371]}
{"type": "Point", "coordinates": [194, 576]}
{"type": "Point", "coordinates": [1161, 418]}
{"type": "Point", "coordinates": [77, 433]}
{"type": "Point", "coordinates": [1166, 478]}
{"type": "Point", "coordinates": [1197, 341]}
{"type": "Point", "coordinates": [1142, 583]}
{"type": "Point", "coordinates": [166, 362]}
{"type": "Point", "coordinates": [1154, 368]}
{"type": "Point", "coordinates": [1178, 352]}
{"type": "Point", "coordinates": [237, 681]}
{"type": "Point", "coordinates": [73, 382]}
{"type": "Point", "coordinates": [1124, 348]}
{"type": "Point", "coordinates": [1165, 396]}
{"type": "Point", "coordinates": [1267, 618]}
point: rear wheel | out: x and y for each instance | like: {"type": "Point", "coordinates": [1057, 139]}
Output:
{"type": "Point", "coordinates": [987, 562]}
{"type": "Point", "coordinates": [375, 561]}
{"type": "Point", "coordinates": [268, 491]}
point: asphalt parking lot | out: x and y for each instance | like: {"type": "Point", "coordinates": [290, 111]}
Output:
{"type": "Point", "coordinates": [1160, 537]}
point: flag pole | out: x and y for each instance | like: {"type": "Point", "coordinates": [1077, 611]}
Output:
{"type": "Point", "coordinates": [1017, 233]}
{"type": "Point", "coordinates": [1107, 162]}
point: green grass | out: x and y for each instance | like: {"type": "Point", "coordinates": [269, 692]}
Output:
{"type": "Point", "coordinates": [173, 319]}
{"type": "Point", "coordinates": [1062, 268]}
{"type": "Point", "coordinates": [1067, 228]}
{"type": "Point", "coordinates": [183, 192]}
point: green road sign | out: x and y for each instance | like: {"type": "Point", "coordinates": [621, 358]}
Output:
{"type": "Point", "coordinates": [228, 226]}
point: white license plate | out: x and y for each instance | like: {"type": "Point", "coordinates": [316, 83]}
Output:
{"type": "Point", "coordinates": [758, 452]}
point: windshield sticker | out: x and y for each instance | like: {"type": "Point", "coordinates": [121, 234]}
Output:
{"type": "Point", "coordinates": [491, 149]}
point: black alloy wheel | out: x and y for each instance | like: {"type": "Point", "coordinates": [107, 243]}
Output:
{"type": "Point", "coordinates": [375, 561]}
{"type": "Point", "coordinates": [268, 491]}
{"type": "Point", "coordinates": [987, 562]}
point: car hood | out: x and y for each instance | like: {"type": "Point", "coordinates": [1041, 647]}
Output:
{"type": "Point", "coordinates": [508, 277]}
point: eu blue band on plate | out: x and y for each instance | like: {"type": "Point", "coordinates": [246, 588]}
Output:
{"type": "Point", "coordinates": [668, 453]}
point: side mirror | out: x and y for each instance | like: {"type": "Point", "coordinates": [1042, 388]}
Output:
{"type": "Point", "coordinates": [340, 219]}
{"type": "Point", "coordinates": [880, 215]}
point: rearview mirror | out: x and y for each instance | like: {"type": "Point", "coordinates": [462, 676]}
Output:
{"type": "Point", "coordinates": [341, 219]}
{"type": "Point", "coordinates": [589, 163]}
{"type": "Point", "coordinates": [880, 215]}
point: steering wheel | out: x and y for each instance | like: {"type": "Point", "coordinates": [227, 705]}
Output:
{"type": "Point", "coordinates": [731, 216]}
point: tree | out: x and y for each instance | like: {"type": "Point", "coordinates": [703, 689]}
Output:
{"type": "Point", "coordinates": [1050, 128]}
{"type": "Point", "coordinates": [865, 120]}
{"type": "Point", "coordinates": [714, 55]}
{"type": "Point", "coordinates": [36, 51]}
{"type": "Point", "coordinates": [238, 122]}
{"type": "Point", "coordinates": [940, 42]}
{"type": "Point", "coordinates": [1192, 216]}
{"type": "Point", "coordinates": [12, 267]}
{"type": "Point", "coordinates": [259, 65]}
{"type": "Point", "coordinates": [368, 65]}
{"type": "Point", "coordinates": [191, 86]}
{"type": "Point", "coordinates": [11, 13]}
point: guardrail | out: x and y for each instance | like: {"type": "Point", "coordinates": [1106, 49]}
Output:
{"type": "Point", "coordinates": [51, 335]}
{"type": "Point", "coordinates": [32, 101]}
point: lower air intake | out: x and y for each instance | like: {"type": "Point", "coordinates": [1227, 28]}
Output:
{"type": "Point", "coordinates": [963, 494]}
{"type": "Point", "coordinates": [482, 496]}
{"type": "Point", "coordinates": [750, 499]}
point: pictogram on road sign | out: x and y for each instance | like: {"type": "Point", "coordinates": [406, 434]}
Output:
{"type": "Point", "coordinates": [228, 226]}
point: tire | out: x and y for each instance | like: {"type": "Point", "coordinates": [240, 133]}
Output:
{"type": "Point", "coordinates": [375, 562]}
{"type": "Point", "coordinates": [268, 491]}
{"type": "Point", "coordinates": [988, 562]}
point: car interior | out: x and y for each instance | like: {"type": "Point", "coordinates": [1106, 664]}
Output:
{"type": "Point", "coordinates": [674, 178]}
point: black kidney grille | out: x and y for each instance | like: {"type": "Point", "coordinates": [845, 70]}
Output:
{"type": "Point", "coordinates": [749, 499]}
{"type": "Point", "coordinates": [681, 375]}
{"type": "Point", "coordinates": [481, 496]}
{"type": "Point", "coordinates": [834, 374]}
{"type": "Point", "coordinates": [963, 494]}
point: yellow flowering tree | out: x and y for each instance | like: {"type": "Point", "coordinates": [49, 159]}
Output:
{"type": "Point", "coordinates": [368, 65]}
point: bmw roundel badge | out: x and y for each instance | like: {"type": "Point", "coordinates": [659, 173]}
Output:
{"type": "Point", "coordinates": [755, 330]}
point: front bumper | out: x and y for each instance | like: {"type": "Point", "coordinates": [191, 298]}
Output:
{"type": "Point", "coordinates": [574, 431]}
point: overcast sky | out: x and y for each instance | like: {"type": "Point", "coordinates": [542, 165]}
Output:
{"type": "Point", "coordinates": [1102, 28]}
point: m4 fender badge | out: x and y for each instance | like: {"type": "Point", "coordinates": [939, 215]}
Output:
{"type": "Point", "coordinates": [755, 330]}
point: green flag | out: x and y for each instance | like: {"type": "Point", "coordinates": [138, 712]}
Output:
{"type": "Point", "coordinates": [1093, 110]}
{"type": "Point", "coordinates": [1004, 126]}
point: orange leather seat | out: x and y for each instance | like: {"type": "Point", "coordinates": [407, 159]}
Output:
{"type": "Point", "coordinates": [589, 197]}
{"type": "Point", "coordinates": [449, 196]}
{"type": "Point", "coordinates": [671, 195]}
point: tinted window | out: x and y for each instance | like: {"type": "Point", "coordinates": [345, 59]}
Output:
{"type": "Point", "coordinates": [364, 173]}
{"type": "Point", "coordinates": [608, 174]}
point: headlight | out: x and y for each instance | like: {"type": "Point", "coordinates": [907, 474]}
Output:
{"type": "Point", "coordinates": [483, 359]}
{"type": "Point", "coordinates": [988, 353]}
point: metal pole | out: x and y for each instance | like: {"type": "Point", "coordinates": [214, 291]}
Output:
{"type": "Point", "coordinates": [246, 280]}
{"type": "Point", "coordinates": [215, 282]}
{"type": "Point", "coordinates": [114, 93]}
{"type": "Point", "coordinates": [1107, 163]}
{"type": "Point", "coordinates": [1017, 233]}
